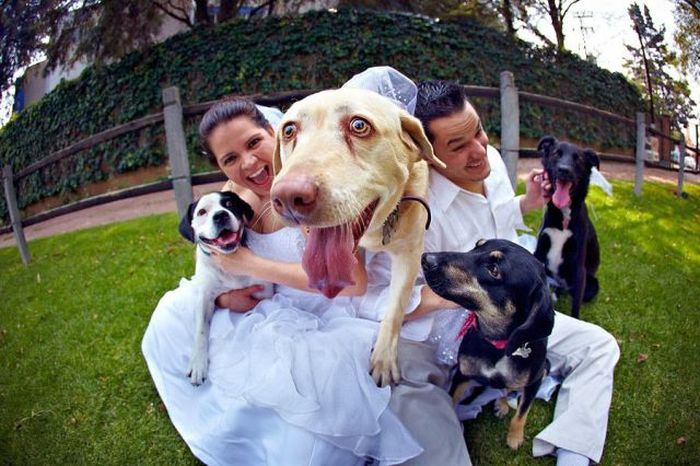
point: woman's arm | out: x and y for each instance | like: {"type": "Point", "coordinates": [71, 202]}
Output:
{"type": "Point", "coordinates": [285, 273]}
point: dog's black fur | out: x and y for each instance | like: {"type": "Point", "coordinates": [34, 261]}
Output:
{"type": "Point", "coordinates": [506, 287]}
{"type": "Point", "coordinates": [580, 254]}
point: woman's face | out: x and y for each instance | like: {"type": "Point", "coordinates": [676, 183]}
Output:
{"type": "Point", "coordinates": [243, 151]}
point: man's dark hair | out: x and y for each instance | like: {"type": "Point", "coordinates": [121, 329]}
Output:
{"type": "Point", "coordinates": [437, 99]}
{"type": "Point", "coordinates": [223, 112]}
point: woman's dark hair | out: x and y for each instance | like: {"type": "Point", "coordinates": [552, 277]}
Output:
{"type": "Point", "coordinates": [437, 99]}
{"type": "Point", "coordinates": [223, 112]}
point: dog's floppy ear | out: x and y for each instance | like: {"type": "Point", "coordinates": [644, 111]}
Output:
{"type": "Point", "coordinates": [545, 145]}
{"type": "Point", "coordinates": [591, 158]}
{"type": "Point", "coordinates": [276, 156]}
{"type": "Point", "coordinates": [539, 322]}
{"type": "Point", "coordinates": [185, 227]}
{"type": "Point", "coordinates": [412, 126]}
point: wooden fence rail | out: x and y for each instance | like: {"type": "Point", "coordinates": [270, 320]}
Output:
{"type": "Point", "coordinates": [181, 181]}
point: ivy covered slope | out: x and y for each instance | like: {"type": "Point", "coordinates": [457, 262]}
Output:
{"type": "Point", "coordinates": [312, 51]}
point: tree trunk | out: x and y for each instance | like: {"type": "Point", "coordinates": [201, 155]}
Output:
{"type": "Point", "coordinates": [227, 10]}
{"type": "Point", "coordinates": [201, 13]}
{"type": "Point", "coordinates": [506, 8]}
{"type": "Point", "coordinates": [555, 14]}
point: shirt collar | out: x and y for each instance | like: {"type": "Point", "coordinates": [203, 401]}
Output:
{"type": "Point", "coordinates": [443, 191]}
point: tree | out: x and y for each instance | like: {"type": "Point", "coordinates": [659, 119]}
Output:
{"type": "Point", "coordinates": [687, 36]}
{"type": "Point", "coordinates": [649, 66]}
{"type": "Point", "coordinates": [554, 10]}
{"type": "Point", "coordinates": [100, 30]}
{"type": "Point", "coordinates": [22, 26]}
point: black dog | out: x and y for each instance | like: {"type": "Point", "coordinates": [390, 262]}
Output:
{"type": "Point", "coordinates": [505, 340]}
{"type": "Point", "coordinates": [567, 244]}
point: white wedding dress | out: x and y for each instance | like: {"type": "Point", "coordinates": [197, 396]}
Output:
{"type": "Point", "coordinates": [288, 381]}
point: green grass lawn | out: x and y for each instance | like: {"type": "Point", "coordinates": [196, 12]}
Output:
{"type": "Point", "coordinates": [76, 389]}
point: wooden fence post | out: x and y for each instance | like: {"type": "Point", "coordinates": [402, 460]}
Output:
{"type": "Point", "coordinates": [177, 149]}
{"type": "Point", "coordinates": [510, 125]}
{"type": "Point", "coordinates": [15, 219]}
{"type": "Point", "coordinates": [639, 154]}
{"type": "Point", "coordinates": [681, 166]}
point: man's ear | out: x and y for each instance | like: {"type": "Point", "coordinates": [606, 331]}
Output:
{"type": "Point", "coordinates": [412, 128]}
{"type": "Point", "coordinates": [540, 320]}
{"type": "Point", "coordinates": [185, 227]}
{"type": "Point", "coordinates": [545, 145]}
{"type": "Point", "coordinates": [591, 158]}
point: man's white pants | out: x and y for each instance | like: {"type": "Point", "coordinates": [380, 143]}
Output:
{"type": "Point", "coordinates": [584, 356]}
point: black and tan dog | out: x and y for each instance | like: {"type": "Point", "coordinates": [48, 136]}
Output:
{"type": "Point", "coordinates": [505, 338]}
{"type": "Point", "coordinates": [567, 244]}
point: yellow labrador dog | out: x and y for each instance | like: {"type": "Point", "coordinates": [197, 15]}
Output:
{"type": "Point", "coordinates": [344, 159]}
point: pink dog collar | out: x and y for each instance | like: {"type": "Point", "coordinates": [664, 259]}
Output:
{"type": "Point", "coordinates": [472, 323]}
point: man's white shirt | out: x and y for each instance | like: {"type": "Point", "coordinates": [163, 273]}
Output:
{"type": "Point", "coordinates": [459, 219]}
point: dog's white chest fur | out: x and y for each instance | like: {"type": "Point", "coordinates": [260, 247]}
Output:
{"type": "Point", "coordinates": [558, 239]}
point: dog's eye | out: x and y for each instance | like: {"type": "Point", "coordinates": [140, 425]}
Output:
{"type": "Point", "coordinates": [289, 130]}
{"type": "Point", "coordinates": [494, 271]}
{"type": "Point", "coordinates": [359, 126]}
{"type": "Point", "coordinates": [201, 212]}
{"type": "Point", "coordinates": [228, 203]}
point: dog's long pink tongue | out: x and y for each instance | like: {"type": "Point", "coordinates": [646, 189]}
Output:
{"type": "Point", "coordinates": [328, 259]}
{"type": "Point", "coordinates": [561, 197]}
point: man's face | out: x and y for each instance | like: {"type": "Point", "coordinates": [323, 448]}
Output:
{"type": "Point", "coordinates": [460, 142]}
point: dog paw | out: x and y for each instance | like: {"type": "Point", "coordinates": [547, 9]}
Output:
{"type": "Point", "coordinates": [501, 407]}
{"type": "Point", "coordinates": [384, 371]}
{"type": "Point", "coordinates": [197, 372]}
{"type": "Point", "coordinates": [515, 439]}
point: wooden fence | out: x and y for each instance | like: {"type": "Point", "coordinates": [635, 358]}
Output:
{"type": "Point", "coordinates": [181, 181]}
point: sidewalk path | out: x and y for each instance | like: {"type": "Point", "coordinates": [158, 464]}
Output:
{"type": "Point", "coordinates": [165, 201]}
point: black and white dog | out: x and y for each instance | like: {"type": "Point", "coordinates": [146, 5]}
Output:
{"type": "Point", "coordinates": [567, 243]}
{"type": "Point", "coordinates": [214, 223]}
{"type": "Point", "coordinates": [505, 336]}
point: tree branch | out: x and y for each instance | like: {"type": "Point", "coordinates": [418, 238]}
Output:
{"type": "Point", "coordinates": [566, 10]}
{"type": "Point", "coordinates": [183, 19]}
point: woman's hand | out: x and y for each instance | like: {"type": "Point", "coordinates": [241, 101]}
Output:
{"type": "Point", "coordinates": [235, 261]}
{"type": "Point", "coordinates": [241, 300]}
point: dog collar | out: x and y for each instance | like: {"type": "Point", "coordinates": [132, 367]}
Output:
{"type": "Point", "coordinates": [472, 323]}
{"type": "Point", "coordinates": [390, 222]}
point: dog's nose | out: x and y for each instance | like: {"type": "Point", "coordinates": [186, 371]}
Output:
{"type": "Point", "coordinates": [565, 171]}
{"type": "Point", "coordinates": [294, 195]}
{"type": "Point", "coordinates": [429, 261]}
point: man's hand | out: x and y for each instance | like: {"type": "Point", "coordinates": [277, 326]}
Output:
{"type": "Point", "coordinates": [429, 302]}
{"type": "Point", "coordinates": [241, 300]}
{"type": "Point", "coordinates": [537, 191]}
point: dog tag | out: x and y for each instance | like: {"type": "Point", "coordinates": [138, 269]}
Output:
{"type": "Point", "coordinates": [524, 351]}
{"type": "Point", "coordinates": [389, 226]}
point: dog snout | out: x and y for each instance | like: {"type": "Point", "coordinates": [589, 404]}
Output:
{"type": "Point", "coordinates": [294, 196]}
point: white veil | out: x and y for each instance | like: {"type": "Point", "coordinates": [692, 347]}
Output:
{"type": "Point", "coordinates": [386, 81]}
